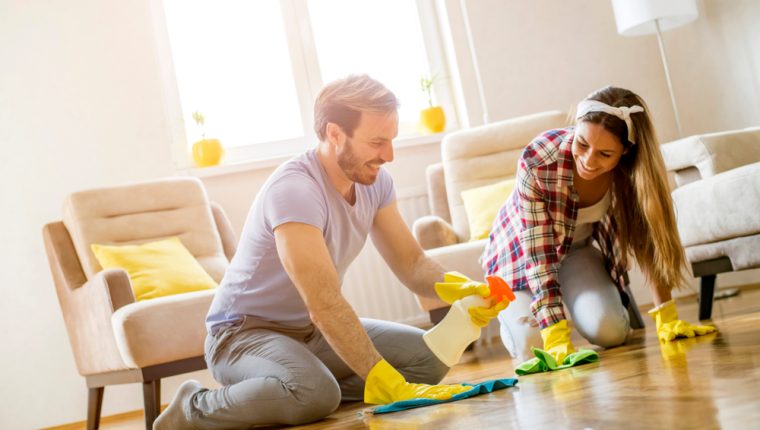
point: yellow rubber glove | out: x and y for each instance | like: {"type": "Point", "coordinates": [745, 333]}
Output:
{"type": "Point", "coordinates": [481, 316]}
{"type": "Point", "coordinates": [456, 286]}
{"type": "Point", "coordinates": [669, 327]}
{"type": "Point", "coordinates": [557, 341]}
{"type": "Point", "coordinates": [385, 385]}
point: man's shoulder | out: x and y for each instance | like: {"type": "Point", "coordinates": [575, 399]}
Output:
{"type": "Point", "coordinates": [299, 171]}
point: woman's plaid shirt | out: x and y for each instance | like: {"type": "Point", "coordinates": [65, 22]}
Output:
{"type": "Point", "coordinates": [534, 228]}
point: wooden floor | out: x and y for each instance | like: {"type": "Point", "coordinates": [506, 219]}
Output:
{"type": "Point", "coordinates": [705, 383]}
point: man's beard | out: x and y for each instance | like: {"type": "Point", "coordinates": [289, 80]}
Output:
{"type": "Point", "coordinates": [354, 169]}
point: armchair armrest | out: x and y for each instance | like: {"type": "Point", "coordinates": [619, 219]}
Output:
{"type": "Point", "coordinates": [711, 154]}
{"type": "Point", "coordinates": [87, 305]}
{"type": "Point", "coordinates": [433, 232]}
{"type": "Point", "coordinates": [88, 311]}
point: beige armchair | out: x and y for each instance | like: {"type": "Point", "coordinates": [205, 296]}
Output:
{"type": "Point", "coordinates": [471, 158]}
{"type": "Point", "coordinates": [717, 201]}
{"type": "Point", "coordinates": [116, 340]}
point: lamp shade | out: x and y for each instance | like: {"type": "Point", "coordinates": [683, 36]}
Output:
{"type": "Point", "coordinates": [637, 17]}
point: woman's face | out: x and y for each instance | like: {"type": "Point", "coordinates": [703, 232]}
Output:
{"type": "Point", "coordinates": [596, 151]}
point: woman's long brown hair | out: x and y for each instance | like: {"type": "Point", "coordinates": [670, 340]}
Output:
{"type": "Point", "coordinates": [642, 206]}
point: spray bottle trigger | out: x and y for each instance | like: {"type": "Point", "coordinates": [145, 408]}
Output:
{"type": "Point", "coordinates": [499, 289]}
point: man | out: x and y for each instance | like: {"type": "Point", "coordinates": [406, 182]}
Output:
{"type": "Point", "coordinates": [283, 341]}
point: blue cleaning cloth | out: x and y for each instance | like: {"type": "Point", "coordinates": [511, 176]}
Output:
{"type": "Point", "coordinates": [478, 389]}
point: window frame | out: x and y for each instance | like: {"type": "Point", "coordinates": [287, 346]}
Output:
{"type": "Point", "coordinates": [307, 81]}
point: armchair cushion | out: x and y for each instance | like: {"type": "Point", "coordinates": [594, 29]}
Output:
{"type": "Point", "coordinates": [162, 330]}
{"type": "Point", "coordinates": [157, 269]}
{"type": "Point", "coordinates": [482, 204]}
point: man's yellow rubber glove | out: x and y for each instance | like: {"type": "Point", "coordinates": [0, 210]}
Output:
{"type": "Point", "coordinates": [669, 327]}
{"type": "Point", "coordinates": [557, 341]}
{"type": "Point", "coordinates": [456, 286]}
{"type": "Point", "coordinates": [482, 316]}
{"type": "Point", "coordinates": [385, 385]}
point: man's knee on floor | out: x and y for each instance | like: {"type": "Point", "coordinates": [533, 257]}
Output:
{"type": "Point", "coordinates": [291, 403]}
{"type": "Point", "coordinates": [312, 404]}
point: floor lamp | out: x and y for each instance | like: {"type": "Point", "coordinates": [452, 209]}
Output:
{"type": "Point", "coordinates": [640, 17]}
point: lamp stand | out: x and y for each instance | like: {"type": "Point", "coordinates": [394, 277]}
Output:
{"type": "Point", "coordinates": [667, 78]}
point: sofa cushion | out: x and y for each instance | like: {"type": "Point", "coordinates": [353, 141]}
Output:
{"type": "Point", "coordinates": [711, 154]}
{"type": "Point", "coordinates": [720, 207]}
{"type": "Point", "coordinates": [162, 330]}
{"type": "Point", "coordinates": [156, 269]}
{"type": "Point", "coordinates": [742, 251]}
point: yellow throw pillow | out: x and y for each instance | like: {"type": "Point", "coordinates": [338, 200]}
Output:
{"type": "Point", "coordinates": [482, 204]}
{"type": "Point", "coordinates": [156, 269]}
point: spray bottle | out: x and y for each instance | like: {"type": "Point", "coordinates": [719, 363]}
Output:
{"type": "Point", "coordinates": [456, 331]}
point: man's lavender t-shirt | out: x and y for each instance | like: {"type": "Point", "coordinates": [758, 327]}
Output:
{"type": "Point", "coordinates": [255, 283]}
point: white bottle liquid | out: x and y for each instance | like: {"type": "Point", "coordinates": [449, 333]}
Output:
{"type": "Point", "coordinates": [455, 332]}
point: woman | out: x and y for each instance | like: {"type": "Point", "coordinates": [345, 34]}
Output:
{"type": "Point", "coordinates": [601, 181]}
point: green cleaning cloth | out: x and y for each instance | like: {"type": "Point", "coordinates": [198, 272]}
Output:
{"type": "Point", "coordinates": [544, 362]}
{"type": "Point", "coordinates": [476, 390]}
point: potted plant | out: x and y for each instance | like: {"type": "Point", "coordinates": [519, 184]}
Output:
{"type": "Point", "coordinates": [432, 119]}
{"type": "Point", "coordinates": [206, 152]}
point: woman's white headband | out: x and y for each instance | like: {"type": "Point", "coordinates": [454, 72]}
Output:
{"type": "Point", "coordinates": [623, 112]}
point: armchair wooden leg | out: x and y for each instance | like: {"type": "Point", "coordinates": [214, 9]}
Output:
{"type": "Point", "coordinates": [94, 403]}
{"type": "Point", "coordinates": [152, 401]}
{"type": "Point", "coordinates": [706, 292]}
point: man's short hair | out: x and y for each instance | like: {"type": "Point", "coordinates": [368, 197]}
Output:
{"type": "Point", "coordinates": [343, 101]}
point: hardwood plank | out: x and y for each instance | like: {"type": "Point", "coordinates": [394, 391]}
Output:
{"type": "Point", "coordinates": [704, 383]}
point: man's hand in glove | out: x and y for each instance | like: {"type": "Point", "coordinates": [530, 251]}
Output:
{"type": "Point", "coordinates": [385, 385]}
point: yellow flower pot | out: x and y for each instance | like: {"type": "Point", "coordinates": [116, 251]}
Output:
{"type": "Point", "coordinates": [207, 152]}
{"type": "Point", "coordinates": [433, 120]}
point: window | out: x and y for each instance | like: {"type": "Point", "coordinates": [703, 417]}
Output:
{"type": "Point", "coordinates": [253, 68]}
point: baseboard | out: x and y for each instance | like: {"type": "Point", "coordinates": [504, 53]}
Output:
{"type": "Point", "coordinates": [123, 417]}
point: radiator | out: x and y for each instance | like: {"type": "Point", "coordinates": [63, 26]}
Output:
{"type": "Point", "coordinates": [370, 286]}
{"type": "Point", "coordinates": [374, 291]}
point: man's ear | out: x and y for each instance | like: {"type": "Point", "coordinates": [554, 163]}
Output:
{"type": "Point", "coordinates": [334, 133]}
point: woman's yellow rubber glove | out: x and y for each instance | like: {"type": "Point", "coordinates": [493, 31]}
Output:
{"type": "Point", "coordinates": [557, 341]}
{"type": "Point", "coordinates": [669, 327]}
{"type": "Point", "coordinates": [385, 385]}
{"type": "Point", "coordinates": [456, 286]}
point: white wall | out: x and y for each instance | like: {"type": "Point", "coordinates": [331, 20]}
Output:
{"type": "Point", "coordinates": [544, 54]}
{"type": "Point", "coordinates": [81, 106]}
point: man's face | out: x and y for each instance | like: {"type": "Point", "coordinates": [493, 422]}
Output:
{"type": "Point", "coordinates": [371, 146]}
{"type": "Point", "coordinates": [596, 151]}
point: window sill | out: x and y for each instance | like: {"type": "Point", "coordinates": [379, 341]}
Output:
{"type": "Point", "coordinates": [268, 163]}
